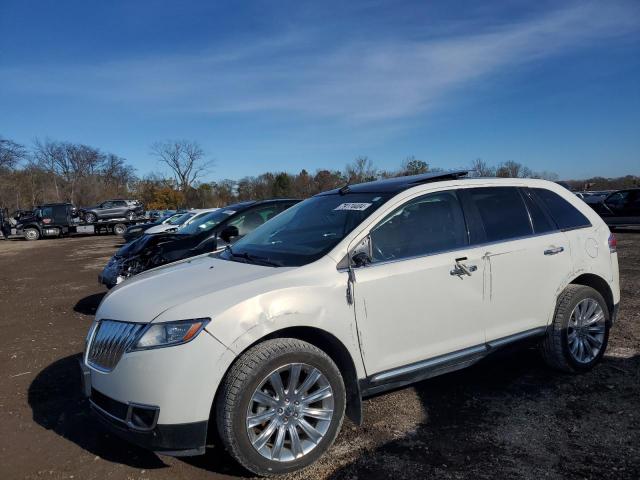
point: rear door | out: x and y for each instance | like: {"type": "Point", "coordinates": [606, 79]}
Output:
{"type": "Point", "coordinates": [528, 258]}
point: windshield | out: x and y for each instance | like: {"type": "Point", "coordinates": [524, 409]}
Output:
{"type": "Point", "coordinates": [206, 222]}
{"type": "Point", "coordinates": [179, 218]}
{"type": "Point", "coordinates": [307, 231]}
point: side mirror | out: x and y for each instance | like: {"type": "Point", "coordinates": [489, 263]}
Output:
{"type": "Point", "coordinates": [361, 259]}
{"type": "Point", "coordinates": [361, 255]}
{"type": "Point", "coordinates": [229, 232]}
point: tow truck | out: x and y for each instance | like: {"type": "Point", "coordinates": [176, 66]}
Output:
{"type": "Point", "coordinates": [60, 220]}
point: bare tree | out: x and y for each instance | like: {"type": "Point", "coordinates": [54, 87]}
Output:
{"type": "Point", "coordinates": [482, 169]}
{"type": "Point", "coordinates": [361, 170]}
{"type": "Point", "coordinates": [186, 160]}
{"type": "Point", "coordinates": [11, 153]}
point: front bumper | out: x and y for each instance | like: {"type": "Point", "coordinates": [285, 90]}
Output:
{"type": "Point", "coordinates": [161, 398]}
{"type": "Point", "coordinates": [178, 440]}
{"type": "Point", "coordinates": [110, 275]}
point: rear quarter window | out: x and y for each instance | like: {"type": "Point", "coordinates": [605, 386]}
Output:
{"type": "Point", "coordinates": [566, 216]}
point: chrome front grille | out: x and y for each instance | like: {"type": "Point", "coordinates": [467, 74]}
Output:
{"type": "Point", "coordinates": [109, 342]}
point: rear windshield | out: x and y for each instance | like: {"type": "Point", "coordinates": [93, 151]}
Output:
{"type": "Point", "coordinates": [206, 222]}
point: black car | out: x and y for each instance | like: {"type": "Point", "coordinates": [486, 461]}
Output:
{"type": "Point", "coordinates": [211, 232]}
{"type": "Point", "coordinates": [129, 209]}
{"type": "Point", "coordinates": [620, 208]}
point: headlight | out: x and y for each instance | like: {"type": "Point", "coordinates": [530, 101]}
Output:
{"type": "Point", "coordinates": [170, 333]}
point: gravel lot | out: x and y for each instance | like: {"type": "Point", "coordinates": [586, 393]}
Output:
{"type": "Point", "coordinates": [506, 417]}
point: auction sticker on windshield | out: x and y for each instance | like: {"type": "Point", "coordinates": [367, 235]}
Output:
{"type": "Point", "coordinates": [353, 206]}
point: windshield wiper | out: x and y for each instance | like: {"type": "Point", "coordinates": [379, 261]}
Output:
{"type": "Point", "coordinates": [251, 258]}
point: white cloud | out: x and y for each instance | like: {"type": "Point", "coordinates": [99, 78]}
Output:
{"type": "Point", "coordinates": [358, 82]}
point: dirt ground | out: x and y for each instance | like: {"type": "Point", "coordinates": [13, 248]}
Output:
{"type": "Point", "coordinates": [506, 417]}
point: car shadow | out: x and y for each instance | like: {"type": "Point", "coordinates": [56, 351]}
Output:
{"type": "Point", "coordinates": [509, 416]}
{"type": "Point", "coordinates": [89, 304]}
{"type": "Point", "coordinates": [56, 400]}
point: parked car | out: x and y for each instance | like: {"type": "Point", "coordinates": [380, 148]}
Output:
{"type": "Point", "coordinates": [209, 232]}
{"type": "Point", "coordinates": [174, 219]}
{"type": "Point", "coordinates": [129, 209]}
{"type": "Point", "coordinates": [183, 220]}
{"type": "Point", "coordinates": [620, 208]}
{"type": "Point", "coordinates": [347, 294]}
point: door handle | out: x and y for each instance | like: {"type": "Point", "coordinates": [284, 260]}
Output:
{"type": "Point", "coordinates": [461, 269]}
{"type": "Point", "coordinates": [554, 250]}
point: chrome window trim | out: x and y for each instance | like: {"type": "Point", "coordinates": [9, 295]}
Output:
{"type": "Point", "coordinates": [468, 247]}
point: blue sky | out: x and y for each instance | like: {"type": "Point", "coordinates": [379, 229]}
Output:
{"type": "Point", "coordinates": [289, 85]}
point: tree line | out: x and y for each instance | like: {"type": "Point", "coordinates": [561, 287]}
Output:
{"type": "Point", "coordinates": [59, 171]}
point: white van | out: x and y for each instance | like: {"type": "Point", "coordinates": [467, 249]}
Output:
{"type": "Point", "coordinates": [348, 294]}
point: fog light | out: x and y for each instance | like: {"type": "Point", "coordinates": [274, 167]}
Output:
{"type": "Point", "coordinates": [143, 418]}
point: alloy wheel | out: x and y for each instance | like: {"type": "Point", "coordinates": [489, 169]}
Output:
{"type": "Point", "coordinates": [290, 412]}
{"type": "Point", "coordinates": [586, 330]}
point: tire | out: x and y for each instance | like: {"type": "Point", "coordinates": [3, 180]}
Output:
{"type": "Point", "coordinates": [561, 346]}
{"type": "Point", "coordinates": [130, 216]}
{"type": "Point", "coordinates": [90, 217]}
{"type": "Point", "coordinates": [31, 234]}
{"type": "Point", "coordinates": [119, 228]}
{"type": "Point", "coordinates": [251, 375]}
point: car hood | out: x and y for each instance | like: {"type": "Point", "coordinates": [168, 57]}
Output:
{"type": "Point", "coordinates": [163, 227]}
{"type": "Point", "coordinates": [146, 241]}
{"type": "Point", "coordinates": [146, 296]}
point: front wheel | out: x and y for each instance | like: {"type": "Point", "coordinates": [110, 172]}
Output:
{"type": "Point", "coordinates": [90, 217]}
{"type": "Point", "coordinates": [31, 233]}
{"type": "Point", "coordinates": [578, 336]}
{"type": "Point", "coordinates": [281, 406]}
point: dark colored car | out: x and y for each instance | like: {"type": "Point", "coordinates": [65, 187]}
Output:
{"type": "Point", "coordinates": [620, 208]}
{"type": "Point", "coordinates": [206, 234]}
{"type": "Point", "coordinates": [129, 209]}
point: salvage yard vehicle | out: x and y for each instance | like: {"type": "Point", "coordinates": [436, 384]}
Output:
{"type": "Point", "coordinates": [177, 223]}
{"type": "Point", "coordinates": [129, 209]}
{"type": "Point", "coordinates": [205, 234]}
{"type": "Point", "coordinates": [174, 219]}
{"type": "Point", "coordinates": [620, 208]}
{"type": "Point", "coordinates": [355, 291]}
{"type": "Point", "coordinates": [59, 219]}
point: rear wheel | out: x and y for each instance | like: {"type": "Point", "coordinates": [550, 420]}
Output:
{"type": "Point", "coordinates": [31, 233]}
{"type": "Point", "coordinates": [119, 228]}
{"type": "Point", "coordinates": [281, 406]}
{"type": "Point", "coordinates": [578, 336]}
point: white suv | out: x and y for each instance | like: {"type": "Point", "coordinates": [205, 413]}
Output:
{"type": "Point", "coordinates": [348, 294]}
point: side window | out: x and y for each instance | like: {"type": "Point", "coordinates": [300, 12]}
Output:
{"type": "Point", "coordinates": [107, 205]}
{"type": "Point", "coordinates": [541, 221]}
{"type": "Point", "coordinates": [564, 214]}
{"type": "Point", "coordinates": [426, 225]}
{"type": "Point", "coordinates": [503, 212]}
{"type": "Point", "coordinates": [252, 219]}
{"type": "Point", "coordinates": [120, 203]}
{"type": "Point", "coordinates": [46, 212]}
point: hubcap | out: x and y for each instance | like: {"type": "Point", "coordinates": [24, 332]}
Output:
{"type": "Point", "coordinates": [585, 334]}
{"type": "Point", "coordinates": [290, 412]}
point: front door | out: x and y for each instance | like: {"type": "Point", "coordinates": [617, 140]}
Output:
{"type": "Point", "coordinates": [414, 301]}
